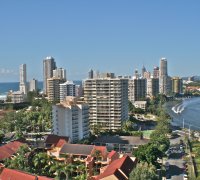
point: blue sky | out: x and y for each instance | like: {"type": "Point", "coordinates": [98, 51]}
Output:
{"type": "Point", "coordinates": [109, 35]}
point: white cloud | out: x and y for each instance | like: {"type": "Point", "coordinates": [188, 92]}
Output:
{"type": "Point", "coordinates": [4, 71]}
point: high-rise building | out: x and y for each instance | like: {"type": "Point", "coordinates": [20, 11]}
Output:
{"type": "Point", "coordinates": [164, 79]}
{"type": "Point", "coordinates": [177, 85]}
{"type": "Point", "coordinates": [60, 73]}
{"type": "Point", "coordinates": [79, 90]}
{"type": "Point", "coordinates": [163, 67]}
{"type": "Point", "coordinates": [49, 65]}
{"type": "Point", "coordinates": [53, 89]}
{"type": "Point", "coordinates": [90, 74]}
{"type": "Point", "coordinates": [152, 87]}
{"type": "Point", "coordinates": [71, 119]}
{"type": "Point", "coordinates": [108, 101]}
{"type": "Point", "coordinates": [143, 70]}
{"type": "Point", "coordinates": [156, 72]}
{"type": "Point", "coordinates": [147, 75]}
{"type": "Point", "coordinates": [33, 85]}
{"type": "Point", "coordinates": [67, 89]}
{"type": "Point", "coordinates": [22, 81]}
{"type": "Point", "coordinates": [137, 89]}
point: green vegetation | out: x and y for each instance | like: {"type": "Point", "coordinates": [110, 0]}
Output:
{"type": "Point", "coordinates": [195, 147]}
{"type": "Point", "coordinates": [40, 163]}
{"type": "Point", "coordinates": [1, 136]}
{"type": "Point", "coordinates": [144, 171]}
{"type": "Point", "coordinates": [19, 162]}
{"type": "Point", "coordinates": [154, 106]}
{"type": "Point", "coordinates": [134, 110]}
{"type": "Point", "coordinates": [158, 144]}
{"type": "Point", "coordinates": [22, 121]}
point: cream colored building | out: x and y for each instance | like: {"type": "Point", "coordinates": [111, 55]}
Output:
{"type": "Point", "coordinates": [177, 85]}
{"type": "Point", "coordinates": [71, 119]}
{"type": "Point", "coordinates": [107, 97]}
{"type": "Point", "coordinates": [152, 87]}
{"type": "Point", "coordinates": [53, 89]}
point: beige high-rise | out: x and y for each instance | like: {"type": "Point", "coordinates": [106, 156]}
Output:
{"type": "Point", "coordinates": [53, 89]}
{"type": "Point", "coordinates": [177, 85]}
{"type": "Point", "coordinates": [48, 66]}
{"type": "Point", "coordinates": [108, 101]}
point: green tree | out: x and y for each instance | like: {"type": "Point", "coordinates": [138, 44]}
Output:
{"type": "Point", "coordinates": [20, 161]}
{"type": "Point", "coordinates": [144, 171]}
{"type": "Point", "coordinates": [1, 136]}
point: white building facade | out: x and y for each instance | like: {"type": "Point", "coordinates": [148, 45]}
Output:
{"type": "Point", "coordinates": [22, 79]}
{"type": "Point", "coordinates": [71, 119]}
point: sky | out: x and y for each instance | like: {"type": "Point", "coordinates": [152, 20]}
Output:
{"type": "Point", "coordinates": [107, 35]}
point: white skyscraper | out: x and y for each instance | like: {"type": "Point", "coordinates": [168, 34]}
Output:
{"type": "Point", "coordinates": [33, 85]}
{"type": "Point", "coordinates": [67, 89]}
{"type": "Point", "coordinates": [164, 79]}
{"type": "Point", "coordinates": [22, 79]}
{"type": "Point", "coordinates": [71, 119]}
{"type": "Point", "coordinates": [60, 73]}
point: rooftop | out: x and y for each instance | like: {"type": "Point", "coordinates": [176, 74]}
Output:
{"type": "Point", "coordinates": [9, 149]}
{"type": "Point", "coordinates": [57, 141]}
{"type": "Point", "coordinates": [132, 140]}
{"type": "Point", "coordinates": [121, 168]}
{"type": "Point", "coordinates": [11, 174]}
{"type": "Point", "coordinates": [77, 149]}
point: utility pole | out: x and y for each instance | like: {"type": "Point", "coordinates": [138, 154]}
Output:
{"type": "Point", "coordinates": [183, 123]}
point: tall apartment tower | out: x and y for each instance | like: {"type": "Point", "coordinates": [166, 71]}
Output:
{"type": "Point", "coordinates": [164, 79]}
{"type": "Point", "coordinates": [60, 73]}
{"type": "Point", "coordinates": [156, 72]}
{"type": "Point", "coordinates": [71, 119]}
{"type": "Point", "coordinates": [33, 85]}
{"type": "Point", "coordinates": [53, 89]}
{"type": "Point", "coordinates": [108, 101]}
{"type": "Point", "coordinates": [22, 79]}
{"type": "Point", "coordinates": [137, 89]}
{"type": "Point", "coordinates": [49, 65]}
{"type": "Point", "coordinates": [67, 89]}
{"type": "Point", "coordinates": [177, 85]}
{"type": "Point", "coordinates": [152, 87]}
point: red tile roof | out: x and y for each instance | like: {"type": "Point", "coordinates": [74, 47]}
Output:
{"type": "Point", "coordinates": [9, 149]}
{"type": "Point", "coordinates": [111, 154]}
{"type": "Point", "coordinates": [57, 141]}
{"type": "Point", "coordinates": [124, 164]}
{"type": "Point", "coordinates": [10, 174]}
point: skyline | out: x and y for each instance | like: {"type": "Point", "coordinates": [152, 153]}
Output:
{"type": "Point", "coordinates": [107, 36]}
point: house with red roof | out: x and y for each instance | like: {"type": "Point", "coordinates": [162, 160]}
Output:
{"type": "Point", "coordinates": [54, 143]}
{"type": "Point", "coordinates": [119, 169]}
{"type": "Point", "coordinates": [8, 150]}
{"type": "Point", "coordinates": [11, 174]}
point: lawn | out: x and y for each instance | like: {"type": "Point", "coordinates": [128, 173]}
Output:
{"type": "Point", "coordinates": [147, 133]}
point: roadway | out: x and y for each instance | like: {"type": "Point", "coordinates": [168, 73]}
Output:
{"type": "Point", "coordinates": [176, 163]}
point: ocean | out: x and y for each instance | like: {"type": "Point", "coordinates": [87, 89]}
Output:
{"type": "Point", "coordinates": [186, 112]}
{"type": "Point", "coordinates": [14, 86]}
{"type": "Point", "coordinates": [7, 86]}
